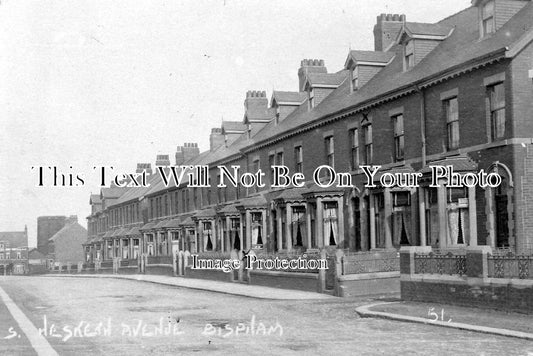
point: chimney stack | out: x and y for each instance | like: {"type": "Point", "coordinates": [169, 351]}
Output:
{"type": "Point", "coordinates": [255, 100]}
{"type": "Point", "coordinates": [162, 160]}
{"type": "Point", "coordinates": [71, 219]}
{"type": "Point", "coordinates": [387, 28]}
{"type": "Point", "coordinates": [186, 152]}
{"type": "Point", "coordinates": [216, 139]}
{"type": "Point", "coordinates": [144, 167]}
{"type": "Point", "coordinates": [310, 66]}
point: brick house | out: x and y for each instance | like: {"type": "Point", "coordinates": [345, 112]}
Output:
{"type": "Point", "coordinates": [14, 252]}
{"type": "Point", "coordinates": [456, 93]}
{"type": "Point", "coordinates": [66, 244]}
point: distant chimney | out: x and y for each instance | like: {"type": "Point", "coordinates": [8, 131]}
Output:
{"type": "Point", "coordinates": [144, 167]}
{"type": "Point", "coordinates": [186, 152]}
{"type": "Point", "coordinates": [310, 66]}
{"type": "Point", "coordinates": [216, 139]}
{"type": "Point", "coordinates": [162, 160]}
{"type": "Point", "coordinates": [386, 30]}
{"type": "Point", "coordinates": [71, 219]}
{"type": "Point", "coordinates": [255, 100]}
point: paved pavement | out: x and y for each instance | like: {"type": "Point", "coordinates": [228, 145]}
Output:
{"type": "Point", "coordinates": [245, 290]}
{"type": "Point", "coordinates": [105, 316]}
{"type": "Point", "coordinates": [478, 320]}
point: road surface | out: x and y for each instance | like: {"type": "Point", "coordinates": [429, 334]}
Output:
{"type": "Point", "coordinates": [75, 316]}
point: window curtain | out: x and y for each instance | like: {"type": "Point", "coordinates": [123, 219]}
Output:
{"type": "Point", "coordinates": [298, 229]}
{"type": "Point", "coordinates": [255, 234]}
{"type": "Point", "coordinates": [402, 227]}
{"type": "Point", "coordinates": [397, 225]}
{"type": "Point", "coordinates": [458, 226]}
{"type": "Point", "coordinates": [406, 217]}
{"type": "Point", "coordinates": [125, 251]}
{"type": "Point", "coordinates": [208, 244]}
{"type": "Point", "coordinates": [380, 229]}
{"type": "Point", "coordinates": [236, 241]}
{"type": "Point", "coordinates": [453, 226]}
{"type": "Point", "coordinates": [330, 226]}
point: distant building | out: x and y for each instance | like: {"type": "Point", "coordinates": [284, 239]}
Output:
{"type": "Point", "coordinates": [66, 245]}
{"type": "Point", "coordinates": [47, 226]}
{"type": "Point", "coordinates": [14, 252]}
{"type": "Point", "coordinates": [14, 239]}
{"type": "Point", "coordinates": [36, 262]}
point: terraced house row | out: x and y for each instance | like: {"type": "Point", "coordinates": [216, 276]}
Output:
{"type": "Point", "coordinates": [455, 93]}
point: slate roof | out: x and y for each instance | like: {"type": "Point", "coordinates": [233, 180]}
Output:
{"type": "Point", "coordinates": [259, 115]}
{"type": "Point", "coordinates": [120, 232]}
{"type": "Point", "coordinates": [370, 56]}
{"type": "Point", "coordinates": [148, 226]}
{"type": "Point", "coordinates": [112, 192]}
{"type": "Point", "coordinates": [187, 222]}
{"type": "Point", "coordinates": [134, 231]}
{"type": "Point", "coordinates": [174, 223]}
{"type": "Point", "coordinates": [327, 78]}
{"type": "Point", "coordinates": [161, 224]}
{"type": "Point", "coordinates": [109, 233]}
{"type": "Point", "coordinates": [135, 193]}
{"type": "Point", "coordinates": [291, 194]}
{"type": "Point", "coordinates": [289, 96]}
{"type": "Point", "coordinates": [205, 213]}
{"type": "Point", "coordinates": [68, 231]}
{"type": "Point", "coordinates": [252, 202]}
{"type": "Point", "coordinates": [14, 239]}
{"type": "Point", "coordinates": [95, 199]}
{"type": "Point", "coordinates": [428, 29]}
{"type": "Point", "coordinates": [233, 126]}
{"type": "Point", "coordinates": [459, 164]}
{"type": "Point", "coordinates": [228, 210]}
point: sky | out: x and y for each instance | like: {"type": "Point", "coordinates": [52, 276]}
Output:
{"type": "Point", "coordinates": [114, 83]}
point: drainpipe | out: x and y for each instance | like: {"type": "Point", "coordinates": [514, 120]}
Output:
{"type": "Point", "coordinates": [422, 122]}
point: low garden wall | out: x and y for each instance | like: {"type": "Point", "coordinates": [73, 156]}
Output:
{"type": "Point", "coordinates": [476, 276]}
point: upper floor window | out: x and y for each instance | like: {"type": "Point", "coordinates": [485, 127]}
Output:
{"type": "Point", "coordinates": [497, 110]}
{"type": "Point", "coordinates": [254, 170]}
{"type": "Point", "coordinates": [451, 107]}
{"type": "Point", "coordinates": [271, 162]}
{"type": "Point", "coordinates": [219, 191]}
{"type": "Point", "coordinates": [487, 18]}
{"type": "Point", "coordinates": [398, 137]}
{"type": "Point", "coordinates": [409, 55]}
{"type": "Point", "coordinates": [298, 159]}
{"type": "Point", "coordinates": [330, 151]}
{"type": "Point", "coordinates": [367, 136]}
{"type": "Point", "coordinates": [279, 159]}
{"type": "Point", "coordinates": [312, 98]}
{"type": "Point", "coordinates": [354, 138]}
{"type": "Point", "coordinates": [355, 78]}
